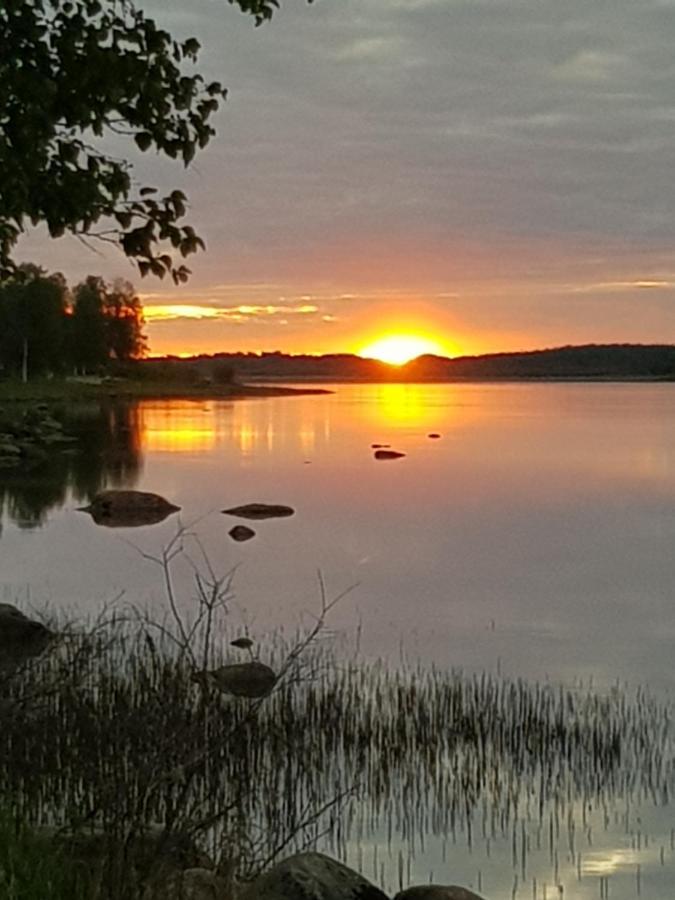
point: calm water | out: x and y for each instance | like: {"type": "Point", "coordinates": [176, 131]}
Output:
{"type": "Point", "coordinates": [533, 539]}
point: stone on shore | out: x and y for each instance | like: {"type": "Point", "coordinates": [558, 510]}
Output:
{"type": "Point", "coordinates": [129, 509]}
{"type": "Point", "coordinates": [20, 637]}
{"type": "Point", "coordinates": [260, 511]}
{"type": "Point", "coordinates": [437, 892]}
{"type": "Point", "coordinates": [311, 876]}
{"type": "Point", "coordinates": [192, 884]}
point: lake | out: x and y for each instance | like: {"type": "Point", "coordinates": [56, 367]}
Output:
{"type": "Point", "coordinates": [533, 539]}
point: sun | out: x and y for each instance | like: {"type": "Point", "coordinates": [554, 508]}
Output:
{"type": "Point", "coordinates": [397, 349]}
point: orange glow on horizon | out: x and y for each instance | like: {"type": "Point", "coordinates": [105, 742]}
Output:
{"type": "Point", "coordinates": [398, 349]}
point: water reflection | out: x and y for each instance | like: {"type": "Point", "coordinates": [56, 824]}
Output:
{"type": "Point", "coordinates": [106, 453]}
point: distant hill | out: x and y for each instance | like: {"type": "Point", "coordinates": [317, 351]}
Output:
{"type": "Point", "coordinates": [591, 361]}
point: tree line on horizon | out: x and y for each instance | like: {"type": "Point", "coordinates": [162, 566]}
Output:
{"type": "Point", "coordinates": [47, 328]}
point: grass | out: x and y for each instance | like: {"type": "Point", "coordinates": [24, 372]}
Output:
{"type": "Point", "coordinates": [118, 737]}
{"type": "Point", "coordinates": [32, 868]}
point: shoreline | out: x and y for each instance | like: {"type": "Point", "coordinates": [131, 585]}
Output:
{"type": "Point", "coordinates": [264, 386]}
{"type": "Point", "coordinates": [58, 391]}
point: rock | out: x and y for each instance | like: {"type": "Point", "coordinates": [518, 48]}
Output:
{"type": "Point", "coordinates": [388, 454]}
{"type": "Point", "coordinates": [128, 509]}
{"type": "Point", "coordinates": [260, 511]}
{"type": "Point", "coordinates": [193, 884]}
{"type": "Point", "coordinates": [249, 679]}
{"type": "Point", "coordinates": [241, 533]}
{"type": "Point", "coordinates": [311, 876]}
{"type": "Point", "coordinates": [434, 435]}
{"type": "Point", "coordinates": [242, 643]}
{"type": "Point", "coordinates": [437, 892]}
{"type": "Point", "coordinates": [20, 637]}
{"type": "Point", "coordinates": [379, 446]}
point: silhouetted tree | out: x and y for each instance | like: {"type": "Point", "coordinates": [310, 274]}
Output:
{"type": "Point", "coordinates": [88, 348]}
{"type": "Point", "coordinates": [33, 307]}
{"type": "Point", "coordinates": [123, 314]}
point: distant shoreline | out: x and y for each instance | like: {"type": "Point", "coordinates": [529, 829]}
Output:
{"type": "Point", "coordinates": [512, 379]}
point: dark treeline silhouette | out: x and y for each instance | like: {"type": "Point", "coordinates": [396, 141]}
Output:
{"type": "Point", "coordinates": [48, 329]}
{"type": "Point", "coordinates": [106, 453]}
{"type": "Point", "coordinates": [601, 361]}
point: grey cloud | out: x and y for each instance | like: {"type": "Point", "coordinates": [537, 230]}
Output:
{"type": "Point", "coordinates": [359, 122]}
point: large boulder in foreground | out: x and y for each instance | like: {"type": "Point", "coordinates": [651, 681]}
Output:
{"type": "Point", "coordinates": [250, 679]}
{"type": "Point", "coordinates": [311, 876]}
{"type": "Point", "coordinates": [388, 454]}
{"type": "Point", "coordinates": [20, 637]}
{"type": "Point", "coordinates": [129, 509]}
{"type": "Point", "coordinates": [437, 892]}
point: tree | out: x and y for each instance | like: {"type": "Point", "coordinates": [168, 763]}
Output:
{"type": "Point", "coordinates": [33, 309]}
{"type": "Point", "coordinates": [72, 71]}
{"type": "Point", "coordinates": [88, 349]}
{"type": "Point", "coordinates": [123, 314]}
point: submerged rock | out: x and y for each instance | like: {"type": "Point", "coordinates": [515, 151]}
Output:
{"type": "Point", "coordinates": [241, 533]}
{"type": "Point", "coordinates": [129, 509]}
{"type": "Point", "coordinates": [250, 679]}
{"type": "Point", "coordinates": [434, 435]}
{"type": "Point", "coordinates": [379, 446]}
{"type": "Point", "coordinates": [20, 637]}
{"type": "Point", "coordinates": [388, 454]}
{"type": "Point", "coordinates": [311, 876]}
{"type": "Point", "coordinates": [259, 511]}
{"type": "Point", "coordinates": [437, 892]}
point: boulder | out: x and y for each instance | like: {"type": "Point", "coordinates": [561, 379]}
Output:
{"type": "Point", "coordinates": [437, 892]}
{"type": "Point", "coordinates": [20, 637]}
{"type": "Point", "coordinates": [434, 435]}
{"type": "Point", "coordinates": [250, 679]}
{"type": "Point", "coordinates": [259, 511]}
{"type": "Point", "coordinates": [311, 876]}
{"type": "Point", "coordinates": [388, 454]}
{"type": "Point", "coordinates": [241, 533]}
{"type": "Point", "coordinates": [129, 509]}
{"type": "Point", "coordinates": [192, 884]}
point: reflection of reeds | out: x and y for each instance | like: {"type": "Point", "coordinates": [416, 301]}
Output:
{"type": "Point", "coordinates": [110, 730]}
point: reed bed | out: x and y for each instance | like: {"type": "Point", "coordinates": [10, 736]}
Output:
{"type": "Point", "coordinates": [108, 731]}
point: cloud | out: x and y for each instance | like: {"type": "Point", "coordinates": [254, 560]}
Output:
{"type": "Point", "coordinates": [171, 312]}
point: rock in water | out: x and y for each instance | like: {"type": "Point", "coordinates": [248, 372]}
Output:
{"type": "Point", "coordinates": [388, 454]}
{"type": "Point", "coordinates": [311, 876]}
{"type": "Point", "coordinates": [129, 509]}
{"type": "Point", "coordinates": [434, 435]}
{"type": "Point", "coordinates": [20, 637]}
{"type": "Point", "coordinates": [250, 679]}
{"type": "Point", "coordinates": [437, 892]}
{"type": "Point", "coordinates": [260, 511]}
{"type": "Point", "coordinates": [241, 533]}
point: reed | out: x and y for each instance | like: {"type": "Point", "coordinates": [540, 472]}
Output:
{"type": "Point", "coordinates": [111, 733]}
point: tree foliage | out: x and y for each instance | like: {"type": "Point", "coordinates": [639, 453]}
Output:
{"type": "Point", "coordinates": [72, 72]}
{"type": "Point", "coordinates": [45, 329]}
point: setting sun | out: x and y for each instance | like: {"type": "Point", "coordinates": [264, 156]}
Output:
{"type": "Point", "coordinates": [398, 349]}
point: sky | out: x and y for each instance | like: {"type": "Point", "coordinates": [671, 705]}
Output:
{"type": "Point", "coordinates": [489, 174]}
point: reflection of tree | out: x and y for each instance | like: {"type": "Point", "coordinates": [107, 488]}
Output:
{"type": "Point", "coordinates": [106, 452]}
